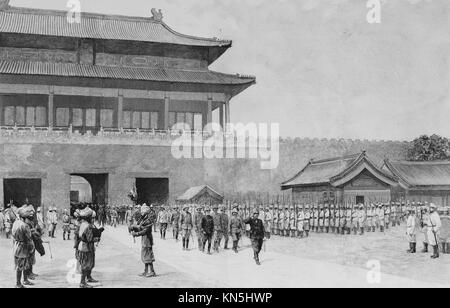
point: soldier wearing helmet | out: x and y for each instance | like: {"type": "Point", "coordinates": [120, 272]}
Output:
{"type": "Point", "coordinates": [256, 234]}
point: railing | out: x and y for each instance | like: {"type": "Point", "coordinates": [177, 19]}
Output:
{"type": "Point", "coordinates": [22, 134]}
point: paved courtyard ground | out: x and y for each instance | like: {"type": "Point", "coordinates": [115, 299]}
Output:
{"type": "Point", "coordinates": [323, 260]}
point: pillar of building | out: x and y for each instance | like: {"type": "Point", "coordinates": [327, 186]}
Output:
{"type": "Point", "coordinates": [166, 110]}
{"type": "Point", "coordinates": [120, 110]}
{"type": "Point", "coordinates": [221, 115]}
{"type": "Point", "coordinates": [50, 119]}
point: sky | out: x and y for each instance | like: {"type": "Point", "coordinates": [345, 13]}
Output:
{"type": "Point", "coordinates": [322, 70]}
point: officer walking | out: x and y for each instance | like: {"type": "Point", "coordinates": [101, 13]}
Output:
{"type": "Point", "coordinates": [236, 227]}
{"type": "Point", "coordinates": [256, 234]}
{"type": "Point", "coordinates": [411, 229]}
{"type": "Point", "coordinates": [224, 221]}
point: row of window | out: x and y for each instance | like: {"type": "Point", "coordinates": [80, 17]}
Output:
{"type": "Point", "coordinates": [87, 117]}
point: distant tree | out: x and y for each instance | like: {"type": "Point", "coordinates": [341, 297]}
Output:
{"type": "Point", "coordinates": [429, 148]}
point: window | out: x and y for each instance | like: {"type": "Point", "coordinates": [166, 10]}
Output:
{"type": "Point", "coordinates": [41, 116]}
{"type": "Point", "coordinates": [90, 117]}
{"type": "Point", "coordinates": [77, 117]}
{"type": "Point", "coordinates": [198, 121]}
{"type": "Point", "coordinates": [154, 120]}
{"type": "Point", "coordinates": [20, 115]}
{"type": "Point", "coordinates": [126, 119]}
{"type": "Point", "coordinates": [145, 117]}
{"type": "Point", "coordinates": [62, 117]}
{"type": "Point", "coordinates": [30, 116]}
{"type": "Point", "coordinates": [10, 115]}
{"type": "Point", "coordinates": [107, 118]}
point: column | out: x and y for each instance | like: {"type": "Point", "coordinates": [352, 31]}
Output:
{"type": "Point", "coordinates": [50, 108]}
{"type": "Point", "coordinates": [221, 115]}
{"type": "Point", "coordinates": [120, 110]}
{"type": "Point", "coordinates": [227, 111]}
{"type": "Point", "coordinates": [166, 111]}
{"type": "Point", "coordinates": [209, 111]}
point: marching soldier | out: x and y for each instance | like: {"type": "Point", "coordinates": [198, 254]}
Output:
{"type": "Point", "coordinates": [207, 227]}
{"type": "Point", "coordinates": [361, 219]}
{"type": "Point", "coordinates": [411, 229]}
{"type": "Point", "coordinates": [321, 218]}
{"type": "Point", "coordinates": [256, 234]}
{"type": "Point", "coordinates": [268, 222]}
{"type": "Point", "coordinates": [198, 227]}
{"type": "Point", "coordinates": [300, 221]}
{"type": "Point", "coordinates": [434, 226]}
{"type": "Point", "coordinates": [217, 228]}
{"type": "Point", "coordinates": [66, 222]}
{"type": "Point", "coordinates": [175, 222]}
{"type": "Point", "coordinates": [293, 222]}
{"type": "Point", "coordinates": [307, 220]}
{"type": "Point", "coordinates": [224, 221]}
{"type": "Point", "coordinates": [186, 224]}
{"type": "Point", "coordinates": [236, 226]}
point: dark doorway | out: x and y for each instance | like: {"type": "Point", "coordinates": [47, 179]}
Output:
{"type": "Point", "coordinates": [74, 196]}
{"type": "Point", "coordinates": [152, 190]}
{"type": "Point", "coordinates": [19, 190]}
{"type": "Point", "coordinates": [360, 200]}
{"type": "Point", "coordinates": [99, 186]}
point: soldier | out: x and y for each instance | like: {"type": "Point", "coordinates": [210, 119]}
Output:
{"type": "Point", "coordinates": [224, 221]}
{"type": "Point", "coordinates": [268, 222]}
{"type": "Point", "coordinates": [217, 228]}
{"type": "Point", "coordinates": [316, 219]}
{"type": "Point", "coordinates": [411, 229]}
{"type": "Point", "coordinates": [23, 248]}
{"type": "Point", "coordinates": [300, 220]}
{"type": "Point", "coordinates": [148, 218]}
{"type": "Point", "coordinates": [332, 218]}
{"type": "Point", "coordinates": [281, 220]}
{"type": "Point", "coordinates": [292, 222]}
{"type": "Point", "coordinates": [327, 218]}
{"type": "Point", "coordinates": [2, 222]}
{"type": "Point", "coordinates": [11, 214]}
{"type": "Point", "coordinates": [52, 221]}
{"type": "Point", "coordinates": [321, 218]}
{"type": "Point", "coordinates": [434, 226]}
{"type": "Point", "coordinates": [287, 221]}
{"type": "Point", "coordinates": [388, 215]}
{"type": "Point", "coordinates": [66, 222]}
{"type": "Point", "coordinates": [175, 222]}
{"type": "Point", "coordinates": [307, 220]}
{"type": "Point", "coordinates": [369, 217]}
{"type": "Point", "coordinates": [207, 227]}
{"type": "Point", "coordinates": [198, 227]}
{"type": "Point", "coordinates": [381, 217]}
{"type": "Point", "coordinates": [86, 247]}
{"type": "Point", "coordinates": [185, 224]}
{"type": "Point", "coordinates": [354, 219]}
{"type": "Point", "coordinates": [424, 225]}
{"type": "Point", "coordinates": [114, 216]}
{"type": "Point", "coordinates": [275, 220]}
{"type": "Point", "coordinates": [236, 227]}
{"type": "Point", "coordinates": [256, 234]}
{"type": "Point", "coordinates": [163, 220]}
{"type": "Point", "coordinates": [361, 219]}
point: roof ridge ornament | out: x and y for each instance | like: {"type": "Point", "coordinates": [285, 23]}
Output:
{"type": "Point", "coordinates": [157, 15]}
{"type": "Point", "coordinates": [4, 4]}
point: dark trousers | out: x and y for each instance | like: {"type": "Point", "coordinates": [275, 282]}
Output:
{"type": "Point", "coordinates": [207, 238]}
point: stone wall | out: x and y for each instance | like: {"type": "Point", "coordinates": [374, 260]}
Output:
{"type": "Point", "coordinates": [55, 162]}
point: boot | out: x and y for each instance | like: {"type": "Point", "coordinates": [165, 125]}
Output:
{"type": "Point", "coordinates": [373, 229]}
{"type": "Point", "coordinates": [187, 244]}
{"type": "Point", "coordinates": [89, 278]}
{"type": "Point", "coordinates": [184, 244]}
{"type": "Point", "coordinates": [435, 252]}
{"type": "Point", "coordinates": [83, 284]}
{"type": "Point", "coordinates": [447, 248]}
{"type": "Point", "coordinates": [414, 247]}
{"type": "Point", "coordinates": [64, 236]}
{"type": "Point", "coordinates": [19, 284]}
{"type": "Point", "coordinates": [425, 248]}
{"type": "Point", "coordinates": [410, 250]}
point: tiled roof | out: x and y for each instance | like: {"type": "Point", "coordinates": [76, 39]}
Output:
{"type": "Point", "coordinates": [194, 192]}
{"type": "Point", "coordinates": [337, 171]}
{"type": "Point", "coordinates": [421, 173]}
{"type": "Point", "coordinates": [126, 73]}
{"type": "Point", "coordinates": [97, 26]}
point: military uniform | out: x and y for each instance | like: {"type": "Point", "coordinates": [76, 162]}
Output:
{"type": "Point", "coordinates": [361, 219]}
{"type": "Point", "coordinates": [186, 224]}
{"type": "Point", "coordinates": [326, 218]}
{"type": "Point", "coordinates": [369, 218]}
{"type": "Point", "coordinates": [332, 218]}
{"type": "Point", "coordinates": [275, 221]}
{"type": "Point", "coordinates": [387, 216]}
{"type": "Point", "coordinates": [434, 225]}
{"type": "Point", "coordinates": [300, 221]}
{"type": "Point", "coordinates": [287, 221]}
{"type": "Point", "coordinates": [236, 226]}
{"type": "Point", "coordinates": [11, 214]}
{"type": "Point", "coordinates": [207, 227]}
{"type": "Point", "coordinates": [198, 227]}
{"type": "Point", "coordinates": [293, 222]}
{"type": "Point", "coordinates": [348, 219]}
{"type": "Point", "coordinates": [52, 221]}
{"type": "Point", "coordinates": [321, 218]}
{"type": "Point", "coordinates": [354, 223]}
{"type": "Point", "coordinates": [256, 235]}
{"type": "Point", "coordinates": [381, 217]}
{"type": "Point", "coordinates": [281, 221]}
{"type": "Point", "coordinates": [307, 221]}
{"type": "Point", "coordinates": [315, 219]}
{"type": "Point", "coordinates": [224, 221]}
{"type": "Point", "coordinates": [217, 228]}
{"type": "Point", "coordinates": [66, 222]}
{"type": "Point", "coordinates": [411, 230]}
{"type": "Point", "coordinates": [268, 222]}
{"type": "Point", "coordinates": [175, 222]}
